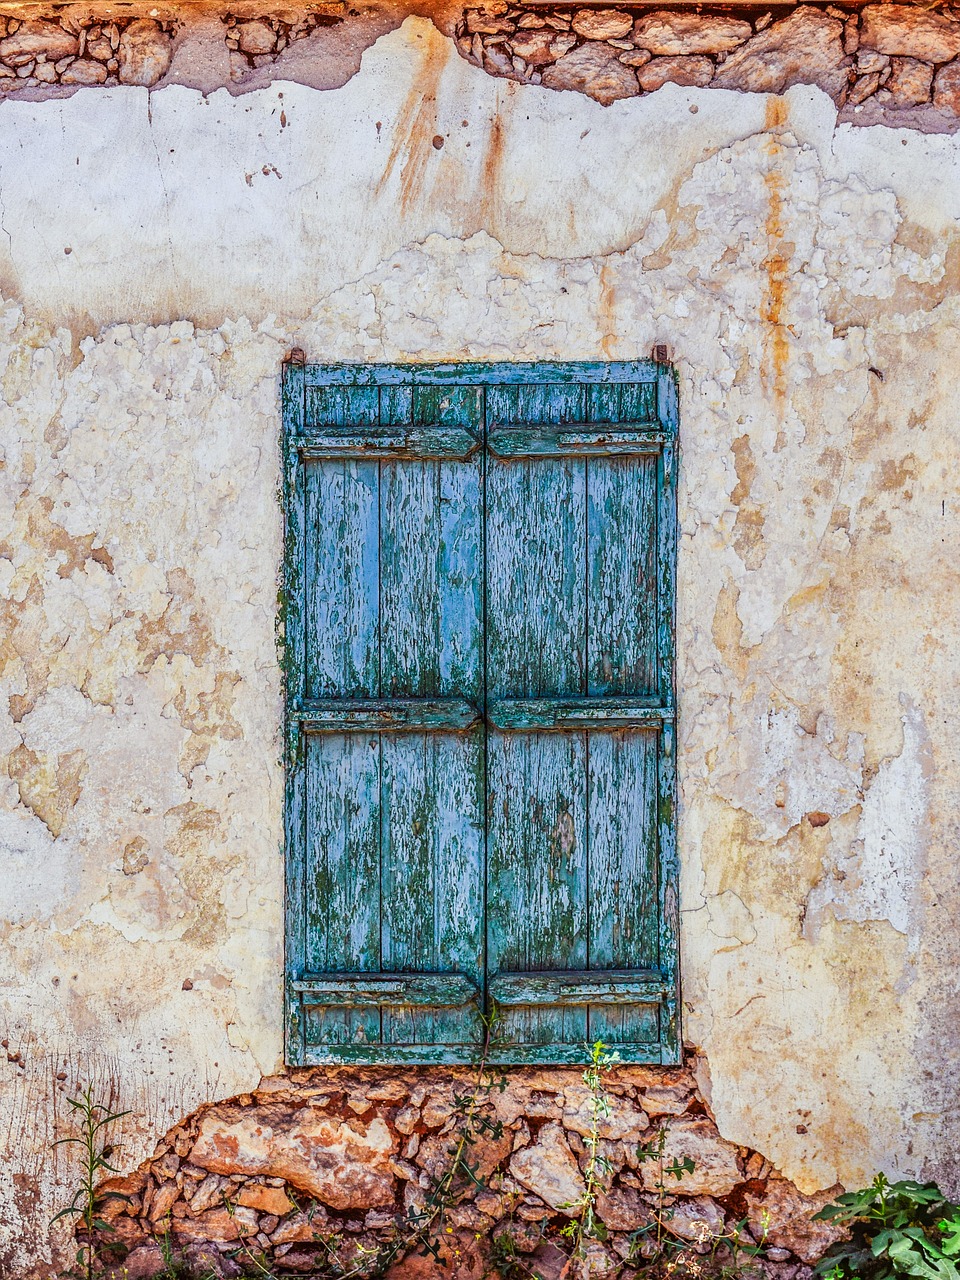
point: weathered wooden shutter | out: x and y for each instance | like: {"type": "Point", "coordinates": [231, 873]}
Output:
{"type": "Point", "coordinates": [479, 605]}
{"type": "Point", "coordinates": [385, 812]}
{"type": "Point", "coordinates": [580, 718]}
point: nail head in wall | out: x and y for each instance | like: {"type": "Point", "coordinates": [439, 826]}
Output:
{"type": "Point", "coordinates": [438, 141]}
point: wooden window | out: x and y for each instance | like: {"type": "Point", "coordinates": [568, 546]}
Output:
{"type": "Point", "coordinates": [478, 631]}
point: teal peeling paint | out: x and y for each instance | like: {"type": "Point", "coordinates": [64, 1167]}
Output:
{"type": "Point", "coordinates": [478, 620]}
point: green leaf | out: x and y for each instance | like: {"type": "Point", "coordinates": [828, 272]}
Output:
{"type": "Point", "coordinates": [951, 1232]}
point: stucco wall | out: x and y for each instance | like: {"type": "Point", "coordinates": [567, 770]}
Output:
{"type": "Point", "coordinates": [160, 253]}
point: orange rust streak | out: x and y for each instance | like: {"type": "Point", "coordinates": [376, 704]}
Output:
{"type": "Point", "coordinates": [490, 176]}
{"type": "Point", "coordinates": [415, 130]}
{"type": "Point", "coordinates": [607, 318]}
{"type": "Point", "coordinates": [775, 342]}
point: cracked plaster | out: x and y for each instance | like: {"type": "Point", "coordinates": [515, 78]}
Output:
{"type": "Point", "coordinates": [804, 277]}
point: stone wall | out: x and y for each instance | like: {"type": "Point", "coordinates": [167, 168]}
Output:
{"type": "Point", "coordinates": [879, 62]}
{"type": "Point", "coordinates": [316, 1166]}
{"type": "Point", "coordinates": [896, 56]}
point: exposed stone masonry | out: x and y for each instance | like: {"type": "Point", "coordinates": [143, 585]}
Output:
{"type": "Point", "coordinates": [898, 63]}
{"type": "Point", "coordinates": [899, 55]}
{"type": "Point", "coordinates": [65, 51]}
{"type": "Point", "coordinates": [258, 42]}
{"type": "Point", "coordinates": [334, 1159]}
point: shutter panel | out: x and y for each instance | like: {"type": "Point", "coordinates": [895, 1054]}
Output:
{"type": "Point", "coordinates": [385, 814]}
{"type": "Point", "coordinates": [479, 662]}
{"type": "Point", "coordinates": [579, 717]}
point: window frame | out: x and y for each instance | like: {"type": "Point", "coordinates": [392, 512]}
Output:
{"type": "Point", "coordinates": [297, 377]}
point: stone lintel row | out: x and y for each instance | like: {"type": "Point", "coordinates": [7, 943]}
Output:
{"type": "Point", "coordinates": [900, 55]}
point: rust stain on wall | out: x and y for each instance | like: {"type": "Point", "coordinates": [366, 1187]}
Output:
{"type": "Point", "coordinates": [606, 308]}
{"type": "Point", "coordinates": [490, 172]}
{"type": "Point", "coordinates": [415, 129]}
{"type": "Point", "coordinates": [776, 263]}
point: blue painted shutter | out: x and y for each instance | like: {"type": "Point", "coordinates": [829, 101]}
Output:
{"type": "Point", "coordinates": [387, 817]}
{"type": "Point", "coordinates": [579, 710]}
{"type": "Point", "coordinates": [479, 594]}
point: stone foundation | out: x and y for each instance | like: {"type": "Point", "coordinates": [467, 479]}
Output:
{"type": "Point", "coordinates": [324, 1166]}
{"type": "Point", "coordinates": [897, 64]}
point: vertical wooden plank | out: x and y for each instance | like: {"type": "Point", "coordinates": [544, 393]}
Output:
{"type": "Point", "coordinates": [668, 411]}
{"type": "Point", "coordinates": [602, 402]}
{"type": "Point", "coordinates": [432, 833]}
{"type": "Point", "coordinates": [431, 581]}
{"type": "Point", "coordinates": [293, 411]}
{"type": "Point", "coordinates": [343, 870]}
{"type": "Point", "coordinates": [409, 586]}
{"type": "Point", "coordinates": [537, 867]}
{"type": "Point", "coordinates": [622, 595]}
{"type": "Point", "coordinates": [343, 579]}
{"type": "Point", "coordinates": [624, 905]}
{"type": "Point", "coordinates": [342, 406]}
{"type": "Point", "coordinates": [536, 646]}
{"type": "Point", "coordinates": [396, 406]}
{"type": "Point", "coordinates": [536, 579]}
{"type": "Point", "coordinates": [433, 838]}
{"type": "Point", "coordinates": [638, 402]}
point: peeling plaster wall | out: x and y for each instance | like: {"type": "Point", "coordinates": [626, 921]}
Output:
{"type": "Point", "coordinates": [160, 253]}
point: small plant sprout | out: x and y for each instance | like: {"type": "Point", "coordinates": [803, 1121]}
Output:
{"type": "Point", "coordinates": [587, 1225]}
{"type": "Point", "coordinates": [94, 1120]}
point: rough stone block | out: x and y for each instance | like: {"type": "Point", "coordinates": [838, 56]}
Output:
{"type": "Point", "coordinates": [35, 38]}
{"type": "Point", "coordinates": [910, 82]}
{"type": "Point", "coordinates": [946, 88]}
{"type": "Point", "coordinates": [804, 48]}
{"type": "Point", "coordinates": [690, 71]}
{"type": "Point", "coordinates": [668, 32]}
{"type": "Point", "coordinates": [602, 24]}
{"type": "Point", "coordinates": [911, 31]}
{"type": "Point", "coordinates": [550, 1169]}
{"type": "Point", "coordinates": [716, 1169]}
{"type": "Point", "coordinates": [145, 53]}
{"type": "Point", "coordinates": [341, 1162]}
{"type": "Point", "coordinates": [594, 69]}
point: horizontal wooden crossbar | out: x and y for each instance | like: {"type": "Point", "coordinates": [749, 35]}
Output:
{"type": "Point", "coordinates": [430, 441]}
{"type": "Point", "coordinates": [521, 715]}
{"type": "Point", "coordinates": [329, 1054]}
{"type": "Point", "coordinates": [379, 715]}
{"type": "Point", "coordinates": [543, 440]}
{"type": "Point", "coordinates": [611, 986]}
{"type": "Point", "coordinates": [351, 990]}
{"type": "Point", "coordinates": [475, 373]}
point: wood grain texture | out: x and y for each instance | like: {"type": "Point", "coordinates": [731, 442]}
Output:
{"type": "Point", "coordinates": [623, 925]}
{"type": "Point", "coordinates": [292, 599]}
{"type": "Point", "coordinates": [477, 373]}
{"type": "Point", "coordinates": [433, 581]}
{"type": "Point", "coordinates": [537, 860]}
{"type": "Point", "coordinates": [343, 869]}
{"type": "Point", "coordinates": [385, 715]}
{"type": "Point", "coordinates": [622, 656]}
{"type": "Point", "coordinates": [431, 587]}
{"type": "Point", "coordinates": [432, 887]}
{"type": "Point", "coordinates": [414, 442]}
{"type": "Point", "coordinates": [536, 579]}
{"type": "Point", "coordinates": [342, 554]}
